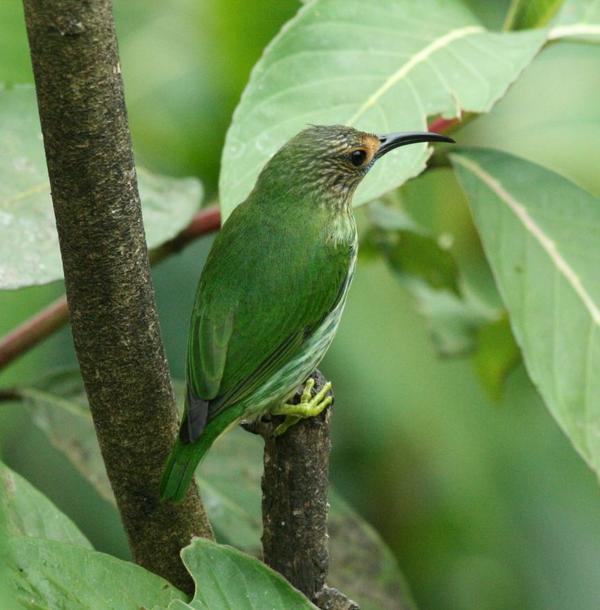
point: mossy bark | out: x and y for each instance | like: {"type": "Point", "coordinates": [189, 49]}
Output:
{"type": "Point", "coordinates": [107, 275]}
{"type": "Point", "coordinates": [294, 507]}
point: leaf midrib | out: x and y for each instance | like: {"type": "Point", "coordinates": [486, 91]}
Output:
{"type": "Point", "coordinates": [413, 61]}
{"type": "Point", "coordinates": [529, 224]}
{"type": "Point", "coordinates": [34, 190]}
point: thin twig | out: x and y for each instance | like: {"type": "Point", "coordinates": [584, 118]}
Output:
{"type": "Point", "coordinates": [206, 221]}
{"type": "Point", "coordinates": [441, 125]}
{"type": "Point", "coordinates": [33, 331]}
{"type": "Point", "coordinates": [56, 315]}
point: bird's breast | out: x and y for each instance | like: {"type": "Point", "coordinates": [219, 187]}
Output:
{"type": "Point", "coordinates": [341, 229]}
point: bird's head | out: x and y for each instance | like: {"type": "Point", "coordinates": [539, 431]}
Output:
{"type": "Point", "coordinates": [331, 160]}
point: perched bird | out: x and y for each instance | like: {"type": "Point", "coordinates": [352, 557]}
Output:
{"type": "Point", "coordinates": [273, 289]}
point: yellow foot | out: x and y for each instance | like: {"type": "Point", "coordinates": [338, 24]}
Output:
{"type": "Point", "coordinates": [309, 406]}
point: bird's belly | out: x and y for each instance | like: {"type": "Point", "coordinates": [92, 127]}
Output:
{"type": "Point", "coordinates": [289, 377]}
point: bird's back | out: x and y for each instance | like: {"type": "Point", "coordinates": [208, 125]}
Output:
{"type": "Point", "coordinates": [273, 276]}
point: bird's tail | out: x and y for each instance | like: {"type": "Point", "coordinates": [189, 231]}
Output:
{"type": "Point", "coordinates": [185, 457]}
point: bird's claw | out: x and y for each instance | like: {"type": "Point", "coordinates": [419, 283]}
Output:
{"type": "Point", "coordinates": [309, 406]}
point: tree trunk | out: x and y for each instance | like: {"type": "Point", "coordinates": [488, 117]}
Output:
{"type": "Point", "coordinates": [107, 275]}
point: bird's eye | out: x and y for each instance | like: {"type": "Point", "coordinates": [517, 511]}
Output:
{"type": "Point", "coordinates": [357, 157]}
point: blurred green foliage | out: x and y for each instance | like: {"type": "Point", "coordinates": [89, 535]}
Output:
{"type": "Point", "coordinates": [485, 504]}
{"type": "Point", "coordinates": [184, 65]}
{"type": "Point", "coordinates": [523, 14]}
{"type": "Point", "coordinates": [168, 204]}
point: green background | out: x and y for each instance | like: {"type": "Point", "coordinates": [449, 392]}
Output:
{"type": "Point", "coordinates": [486, 504]}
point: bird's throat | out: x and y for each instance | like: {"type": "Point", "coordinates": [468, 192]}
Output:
{"type": "Point", "coordinates": [341, 227]}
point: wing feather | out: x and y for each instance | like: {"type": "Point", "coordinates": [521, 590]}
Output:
{"type": "Point", "coordinates": [263, 290]}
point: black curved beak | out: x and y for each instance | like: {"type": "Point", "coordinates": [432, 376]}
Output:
{"type": "Point", "coordinates": [390, 141]}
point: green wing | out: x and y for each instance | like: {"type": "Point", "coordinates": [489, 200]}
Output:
{"type": "Point", "coordinates": [263, 291]}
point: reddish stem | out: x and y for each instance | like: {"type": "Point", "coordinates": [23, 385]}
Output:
{"type": "Point", "coordinates": [440, 124]}
{"type": "Point", "coordinates": [56, 315]}
{"type": "Point", "coordinates": [206, 221]}
{"type": "Point", "coordinates": [33, 331]}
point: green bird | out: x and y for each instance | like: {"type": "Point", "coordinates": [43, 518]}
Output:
{"type": "Point", "coordinates": [273, 289]}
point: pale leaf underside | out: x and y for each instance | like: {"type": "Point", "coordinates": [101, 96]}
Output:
{"type": "Point", "coordinates": [29, 251]}
{"type": "Point", "coordinates": [381, 67]}
{"type": "Point", "coordinates": [541, 235]}
{"type": "Point", "coordinates": [578, 19]}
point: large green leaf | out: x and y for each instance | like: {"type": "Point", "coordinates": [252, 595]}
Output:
{"type": "Point", "coordinates": [58, 406]}
{"type": "Point", "coordinates": [541, 234]}
{"type": "Point", "coordinates": [52, 575]}
{"type": "Point", "coordinates": [362, 566]}
{"type": "Point", "coordinates": [7, 594]}
{"type": "Point", "coordinates": [560, 137]}
{"type": "Point", "coordinates": [29, 513]}
{"type": "Point", "coordinates": [227, 579]}
{"type": "Point", "coordinates": [380, 66]}
{"type": "Point", "coordinates": [29, 252]}
{"type": "Point", "coordinates": [578, 19]}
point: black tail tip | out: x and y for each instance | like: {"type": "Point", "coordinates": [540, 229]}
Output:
{"type": "Point", "coordinates": [195, 419]}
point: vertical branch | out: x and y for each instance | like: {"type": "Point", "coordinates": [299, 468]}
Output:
{"type": "Point", "coordinates": [294, 485]}
{"type": "Point", "coordinates": [107, 275]}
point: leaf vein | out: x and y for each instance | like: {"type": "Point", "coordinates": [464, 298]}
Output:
{"type": "Point", "coordinates": [537, 232]}
{"type": "Point", "coordinates": [412, 62]}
